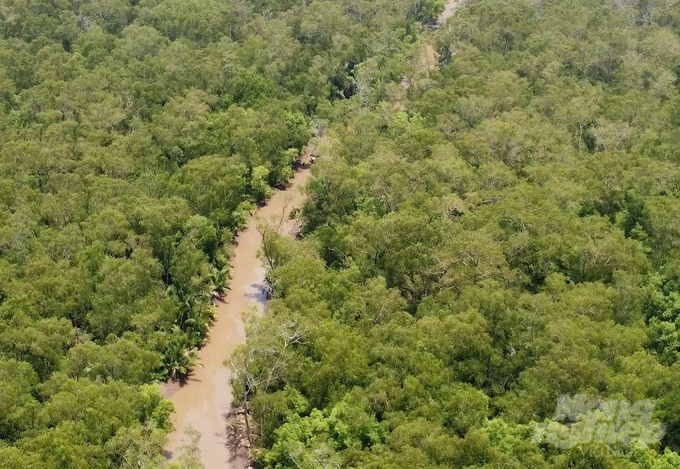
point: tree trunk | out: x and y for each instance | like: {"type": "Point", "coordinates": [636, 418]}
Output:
{"type": "Point", "coordinates": [245, 410]}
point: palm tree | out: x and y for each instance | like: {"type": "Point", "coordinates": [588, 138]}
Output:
{"type": "Point", "coordinates": [179, 359]}
{"type": "Point", "coordinates": [218, 281]}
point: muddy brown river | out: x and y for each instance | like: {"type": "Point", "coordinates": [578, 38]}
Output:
{"type": "Point", "coordinates": [205, 400]}
{"type": "Point", "coordinates": [449, 9]}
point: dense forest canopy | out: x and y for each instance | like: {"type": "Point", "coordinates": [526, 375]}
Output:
{"type": "Point", "coordinates": [135, 139]}
{"type": "Point", "coordinates": [493, 223]}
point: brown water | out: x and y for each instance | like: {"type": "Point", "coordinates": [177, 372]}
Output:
{"type": "Point", "coordinates": [449, 9]}
{"type": "Point", "coordinates": [205, 400]}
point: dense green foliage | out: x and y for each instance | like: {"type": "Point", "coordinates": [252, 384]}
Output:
{"type": "Point", "coordinates": [135, 137]}
{"type": "Point", "coordinates": [484, 234]}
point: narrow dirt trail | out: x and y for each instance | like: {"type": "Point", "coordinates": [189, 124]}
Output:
{"type": "Point", "coordinates": [205, 400]}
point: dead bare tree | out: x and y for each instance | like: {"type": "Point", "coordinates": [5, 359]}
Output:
{"type": "Point", "coordinates": [257, 364]}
